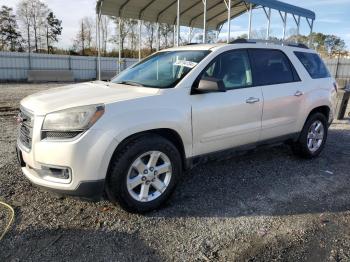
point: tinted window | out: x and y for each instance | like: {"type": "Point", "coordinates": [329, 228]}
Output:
{"type": "Point", "coordinates": [271, 67]}
{"type": "Point", "coordinates": [313, 64]}
{"type": "Point", "coordinates": [233, 68]}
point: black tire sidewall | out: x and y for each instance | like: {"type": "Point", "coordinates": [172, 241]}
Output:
{"type": "Point", "coordinates": [116, 181]}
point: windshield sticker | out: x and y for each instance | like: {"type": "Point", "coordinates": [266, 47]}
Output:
{"type": "Point", "coordinates": [185, 63]}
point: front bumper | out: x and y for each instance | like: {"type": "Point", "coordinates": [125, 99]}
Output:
{"type": "Point", "coordinates": [86, 157]}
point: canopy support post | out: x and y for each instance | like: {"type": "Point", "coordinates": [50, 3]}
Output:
{"type": "Point", "coordinates": [284, 20]}
{"type": "Point", "coordinates": [178, 24]}
{"type": "Point", "coordinates": [190, 35]}
{"type": "Point", "coordinates": [250, 20]}
{"type": "Point", "coordinates": [119, 45]}
{"type": "Point", "coordinates": [298, 27]}
{"type": "Point", "coordinates": [311, 30]}
{"type": "Point", "coordinates": [140, 27]}
{"type": "Point", "coordinates": [204, 21]}
{"type": "Point", "coordinates": [268, 16]}
{"type": "Point", "coordinates": [228, 6]}
{"type": "Point", "coordinates": [284, 26]}
{"type": "Point", "coordinates": [98, 32]}
{"type": "Point", "coordinates": [174, 35]}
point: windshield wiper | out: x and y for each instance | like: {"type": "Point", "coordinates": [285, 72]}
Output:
{"type": "Point", "coordinates": [130, 83]}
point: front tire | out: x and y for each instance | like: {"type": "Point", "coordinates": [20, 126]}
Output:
{"type": "Point", "coordinates": [313, 137]}
{"type": "Point", "coordinates": [144, 173]}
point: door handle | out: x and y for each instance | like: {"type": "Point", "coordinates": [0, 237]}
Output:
{"type": "Point", "coordinates": [252, 100]}
{"type": "Point", "coordinates": [298, 93]}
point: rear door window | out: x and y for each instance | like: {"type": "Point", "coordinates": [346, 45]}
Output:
{"type": "Point", "coordinates": [271, 67]}
{"type": "Point", "coordinates": [313, 65]}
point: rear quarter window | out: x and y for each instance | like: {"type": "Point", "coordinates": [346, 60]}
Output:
{"type": "Point", "coordinates": [313, 65]}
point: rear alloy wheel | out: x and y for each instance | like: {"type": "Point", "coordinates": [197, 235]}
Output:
{"type": "Point", "coordinates": [144, 173]}
{"type": "Point", "coordinates": [313, 137]}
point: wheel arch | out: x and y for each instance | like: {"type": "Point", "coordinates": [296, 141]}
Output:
{"type": "Point", "coordinates": [167, 133]}
{"type": "Point", "coordinates": [324, 109]}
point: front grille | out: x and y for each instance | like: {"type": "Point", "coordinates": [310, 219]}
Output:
{"type": "Point", "coordinates": [26, 122]}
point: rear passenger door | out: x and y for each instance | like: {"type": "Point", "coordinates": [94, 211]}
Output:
{"type": "Point", "coordinates": [282, 92]}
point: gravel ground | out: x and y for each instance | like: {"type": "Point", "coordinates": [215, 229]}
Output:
{"type": "Point", "coordinates": [263, 206]}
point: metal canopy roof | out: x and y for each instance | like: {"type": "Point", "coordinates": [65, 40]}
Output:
{"type": "Point", "coordinates": [191, 11]}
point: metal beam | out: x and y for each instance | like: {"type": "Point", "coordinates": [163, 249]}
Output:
{"type": "Point", "coordinates": [189, 8]}
{"type": "Point", "coordinates": [268, 25]}
{"type": "Point", "coordinates": [202, 13]}
{"type": "Point", "coordinates": [204, 21]}
{"type": "Point", "coordinates": [250, 20]}
{"type": "Point", "coordinates": [119, 45]}
{"type": "Point", "coordinates": [140, 38]}
{"type": "Point", "coordinates": [178, 24]}
{"type": "Point", "coordinates": [122, 6]}
{"type": "Point", "coordinates": [284, 26]}
{"type": "Point", "coordinates": [98, 71]}
{"type": "Point", "coordinates": [166, 8]}
{"type": "Point", "coordinates": [229, 21]}
{"type": "Point", "coordinates": [145, 8]}
{"type": "Point", "coordinates": [311, 30]}
{"type": "Point", "coordinates": [222, 12]}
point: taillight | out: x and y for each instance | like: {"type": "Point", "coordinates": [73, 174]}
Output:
{"type": "Point", "coordinates": [335, 87]}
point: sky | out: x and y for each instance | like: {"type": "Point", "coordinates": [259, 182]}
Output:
{"type": "Point", "coordinates": [332, 17]}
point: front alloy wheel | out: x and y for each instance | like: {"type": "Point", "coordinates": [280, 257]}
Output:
{"type": "Point", "coordinates": [149, 176]}
{"type": "Point", "coordinates": [144, 173]}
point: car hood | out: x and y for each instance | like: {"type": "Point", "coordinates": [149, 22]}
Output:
{"type": "Point", "coordinates": [83, 94]}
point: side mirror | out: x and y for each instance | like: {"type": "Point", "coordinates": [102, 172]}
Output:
{"type": "Point", "coordinates": [209, 85]}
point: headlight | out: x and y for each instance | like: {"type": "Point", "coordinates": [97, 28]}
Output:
{"type": "Point", "coordinates": [73, 119]}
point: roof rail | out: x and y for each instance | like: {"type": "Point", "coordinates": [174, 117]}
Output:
{"type": "Point", "coordinates": [276, 42]}
{"type": "Point", "coordinates": [192, 44]}
{"type": "Point", "coordinates": [242, 41]}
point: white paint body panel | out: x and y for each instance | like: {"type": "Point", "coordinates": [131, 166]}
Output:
{"type": "Point", "coordinates": [205, 123]}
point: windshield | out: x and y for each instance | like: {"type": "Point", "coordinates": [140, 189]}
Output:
{"type": "Point", "coordinates": [161, 70]}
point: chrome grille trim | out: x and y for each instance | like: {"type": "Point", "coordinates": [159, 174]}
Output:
{"type": "Point", "coordinates": [25, 133]}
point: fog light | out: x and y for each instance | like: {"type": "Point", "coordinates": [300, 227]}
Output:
{"type": "Point", "coordinates": [55, 174]}
{"type": "Point", "coordinates": [60, 173]}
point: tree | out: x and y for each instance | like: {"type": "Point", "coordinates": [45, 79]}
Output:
{"type": "Point", "coordinates": [39, 11]}
{"type": "Point", "coordinates": [10, 37]}
{"type": "Point", "coordinates": [24, 14]}
{"type": "Point", "coordinates": [105, 22]}
{"type": "Point", "coordinates": [334, 44]}
{"type": "Point", "coordinates": [53, 30]}
{"type": "Point", "coordinates": [125, 25]}
{"type": "Point", "coordinates": [33, 14]}
{"type": "Point", "coordinates": [165, 30]}
{"type": "Point", "coordinates": [150, 34]}
{"type": "Point", "coordinates": [84, 38]}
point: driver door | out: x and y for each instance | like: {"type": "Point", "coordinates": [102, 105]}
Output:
{"type": "Point", "coordinates": [223, 120]}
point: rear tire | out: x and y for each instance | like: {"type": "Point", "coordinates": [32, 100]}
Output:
{"type": "Point", "coordinates": [143, 174]}
{"type": "Point", "coordinates": [313, 137]}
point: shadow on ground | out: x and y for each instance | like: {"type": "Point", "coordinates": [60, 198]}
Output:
{"type": "Point", "coordinates": [267, 182]}
{"type": "Point", "coordinates": [77, 245]}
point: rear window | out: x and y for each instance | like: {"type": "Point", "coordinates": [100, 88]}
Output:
{"type": "Point", "coordinates": [313, 64]}
{"type": "Point", "coordinates": [271, 67]}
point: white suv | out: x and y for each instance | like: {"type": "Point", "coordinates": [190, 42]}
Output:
{"type": "Point", "coordinates": [134, 136]}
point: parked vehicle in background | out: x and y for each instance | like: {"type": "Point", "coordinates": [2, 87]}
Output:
{"type": "Point", "coordinates": [134, 136]}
